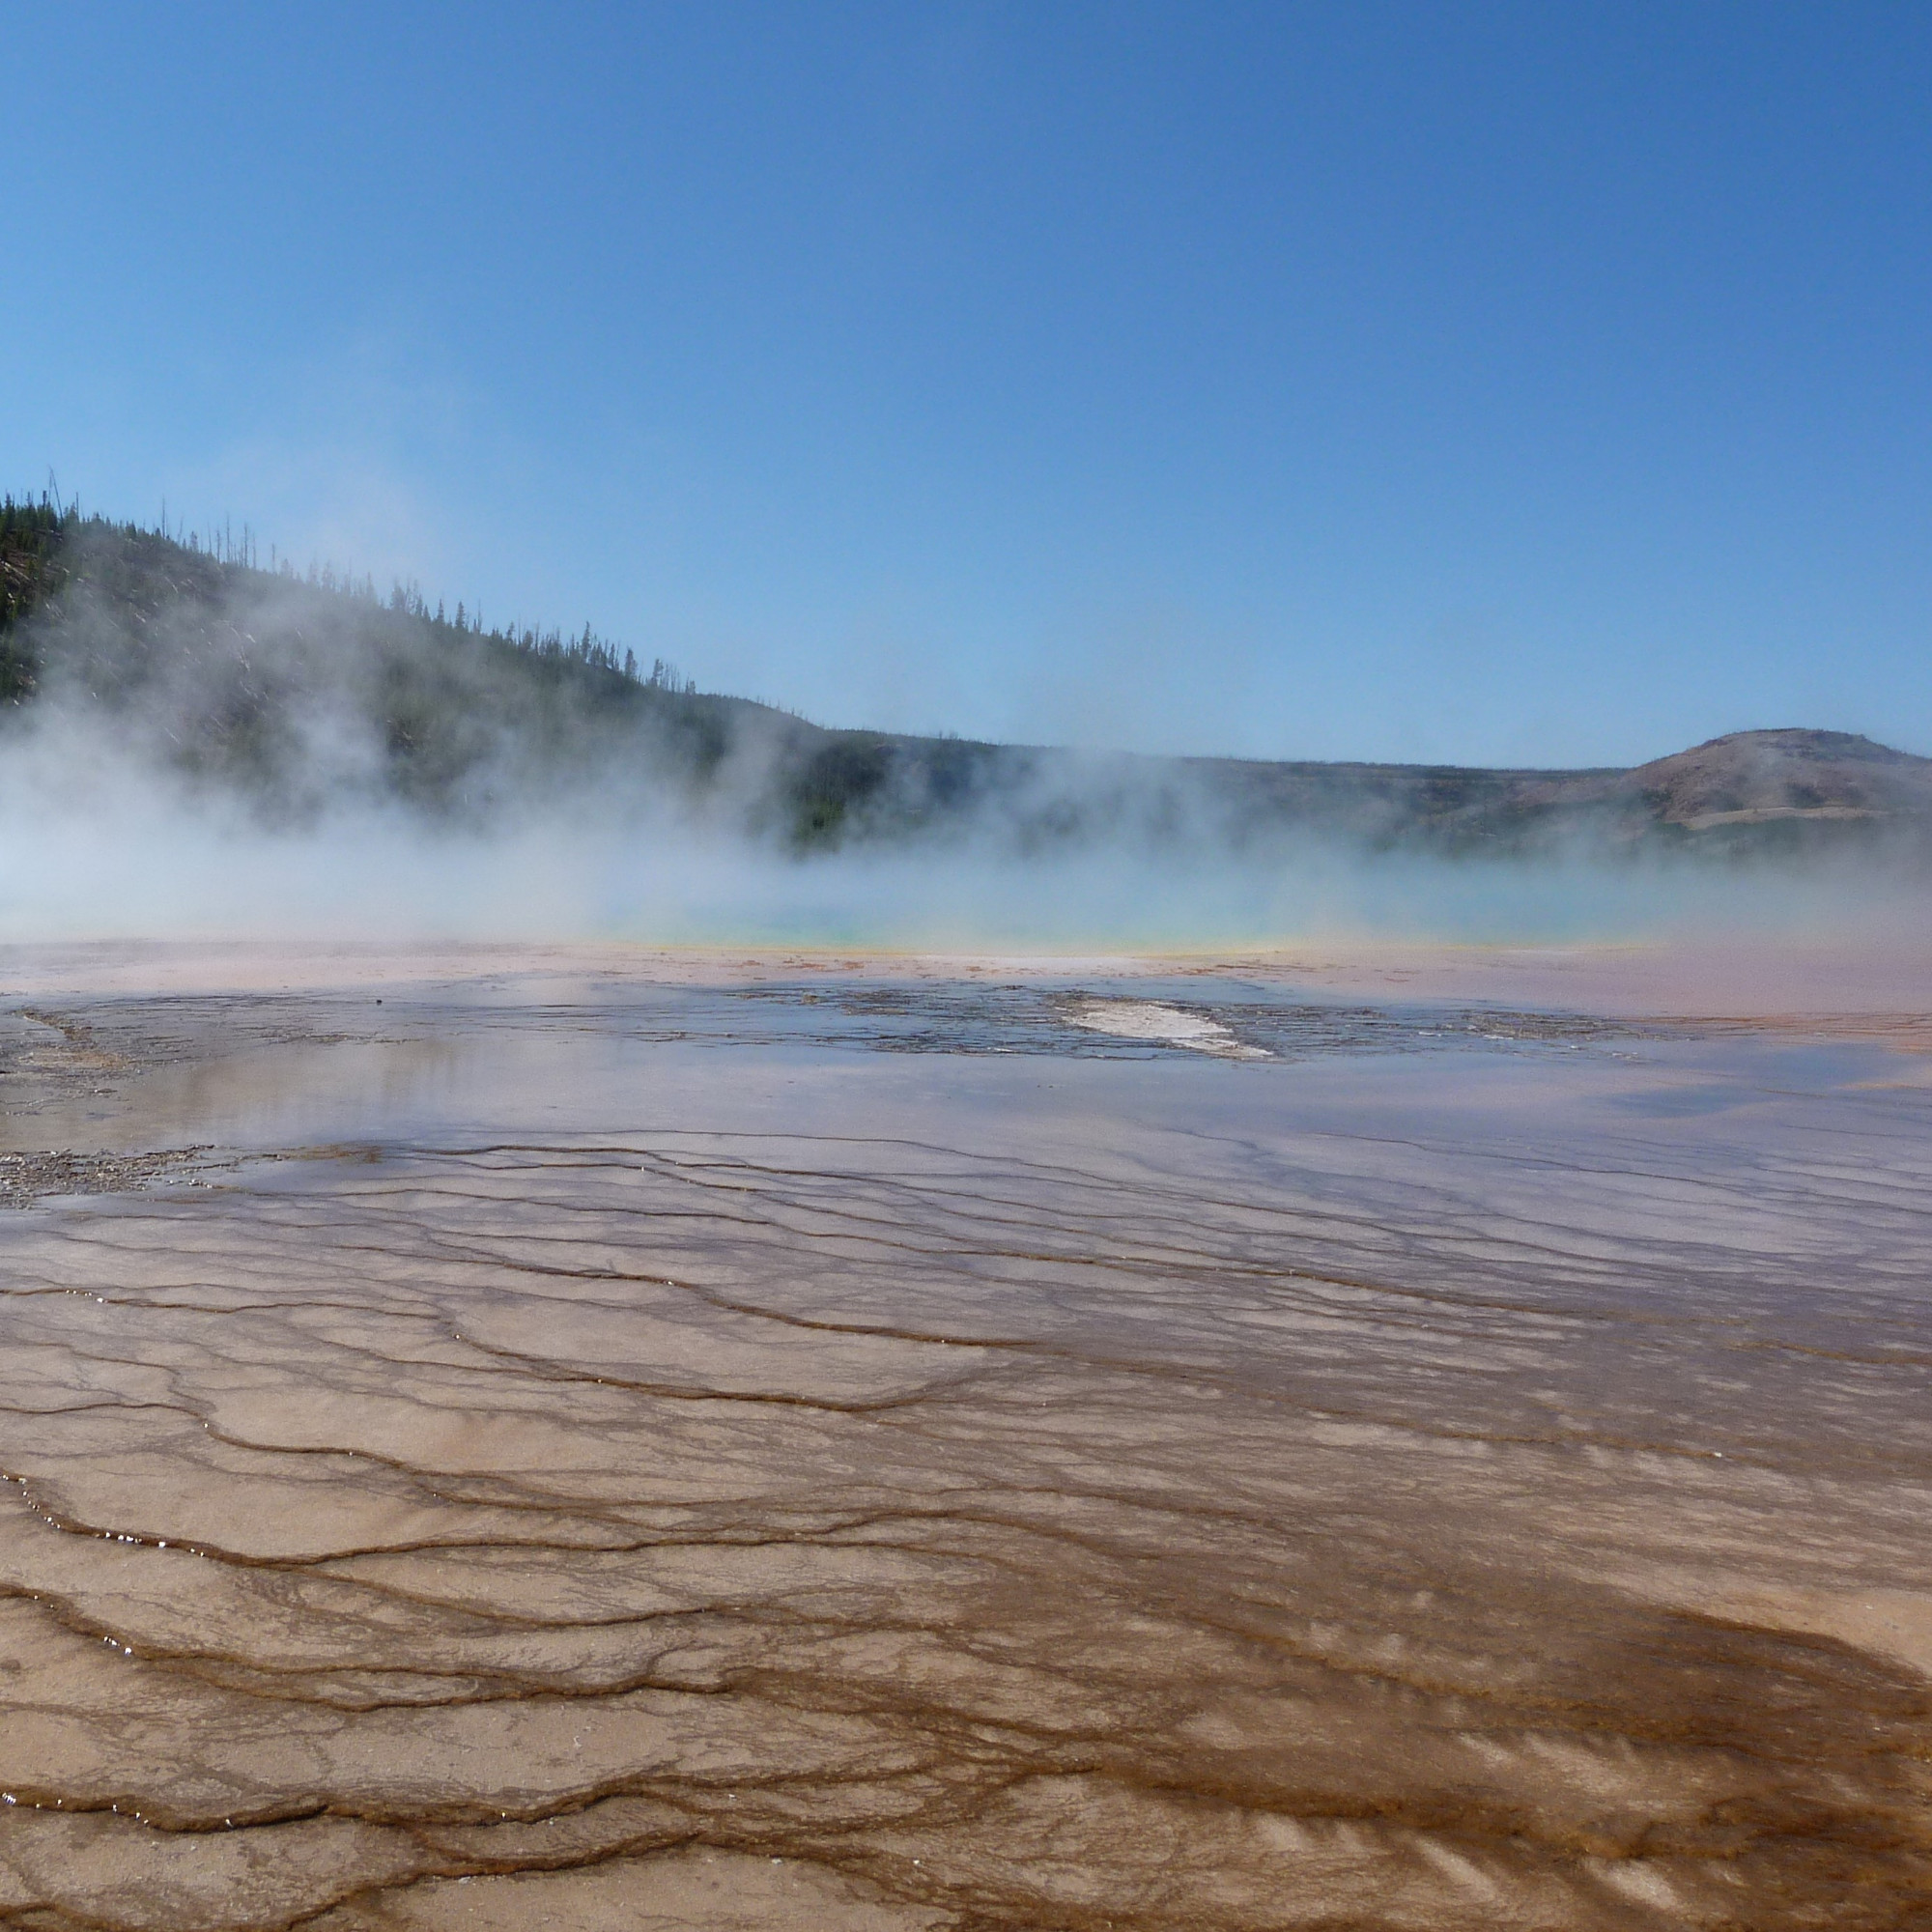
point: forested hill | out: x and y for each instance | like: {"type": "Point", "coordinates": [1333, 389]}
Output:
{"type": "Point", "coordinates": [291, 688]}
{"type": "Point", "coordinates": [295, 693]}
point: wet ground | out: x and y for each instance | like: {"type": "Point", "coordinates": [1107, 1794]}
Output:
{"type": "Point", "coordinates": [1052, 1451]}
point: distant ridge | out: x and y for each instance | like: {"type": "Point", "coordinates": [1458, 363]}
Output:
{"type": "Point", "coordinates": [299, 693]}
{"type": "Point", "coordinates": [1762, 776]}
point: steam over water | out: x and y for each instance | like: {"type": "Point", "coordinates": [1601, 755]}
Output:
{"type": "Point", "coordinates": [856, 1453]}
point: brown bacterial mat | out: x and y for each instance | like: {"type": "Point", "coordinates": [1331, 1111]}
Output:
{"type": "Point", "coordinates": [538, 1467]}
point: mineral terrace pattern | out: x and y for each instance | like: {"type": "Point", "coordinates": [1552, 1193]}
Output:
{"type": "Point", "coordinates": [563, 1471]}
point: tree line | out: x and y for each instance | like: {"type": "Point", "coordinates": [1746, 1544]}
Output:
{"type": "Point", "coordinates": [35, 531]}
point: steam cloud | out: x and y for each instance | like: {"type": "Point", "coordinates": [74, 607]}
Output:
{"type": "Point", "coordinates": [215, 751]}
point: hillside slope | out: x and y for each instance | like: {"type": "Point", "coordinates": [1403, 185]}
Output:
{"type": "Point", "coordinates": [1756, 779]}
{"type": "Point", "coordinates": [295, 694]}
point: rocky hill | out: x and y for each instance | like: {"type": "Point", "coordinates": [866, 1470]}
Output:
{"type": "Point", "coordinates": [1753, 779]}
{"type": "Point", "coordinates": [296, 694]}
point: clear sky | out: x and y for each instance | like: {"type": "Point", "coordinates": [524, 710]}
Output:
{"type": "Point", "coordinates": [1540, 384]}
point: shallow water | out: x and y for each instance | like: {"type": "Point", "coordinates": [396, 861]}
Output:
{"type": "Point", "coordinates": [633, 1456]}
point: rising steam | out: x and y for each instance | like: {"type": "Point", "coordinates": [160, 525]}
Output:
{"type": "Point", "coordinates": [203, 748]}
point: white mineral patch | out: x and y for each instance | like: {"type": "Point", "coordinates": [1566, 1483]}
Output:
{"type": "Point", "coordinates": [1146, 1019]}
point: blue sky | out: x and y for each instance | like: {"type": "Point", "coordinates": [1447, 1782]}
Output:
{"type": "Point", "coordinates": [1493, 383]}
